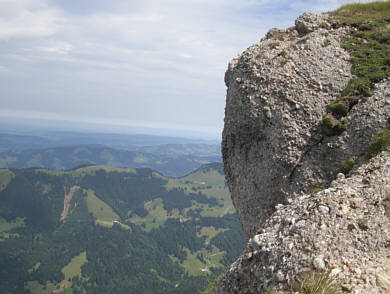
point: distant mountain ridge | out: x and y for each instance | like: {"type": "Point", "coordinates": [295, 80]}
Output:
{"type": "Point", "coordinates": [180, 163]}
{"type": "Point", "coordinates": [41, 140]}
{"type": "Point", "coordinates": [184, 149]}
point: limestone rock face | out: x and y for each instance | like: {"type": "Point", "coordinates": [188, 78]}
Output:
{"type": "Point", "coordinates": [278, 89]}
{"type": "Point", "coordinates": [345, 228]}
{"type": "Point", "coordinates": [275, 153]}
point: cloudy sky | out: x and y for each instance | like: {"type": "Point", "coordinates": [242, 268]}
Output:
{"type": "Point", "coordinates": [132, 65]}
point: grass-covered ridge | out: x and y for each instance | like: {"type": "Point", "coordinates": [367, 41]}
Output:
{"type": "Point", "coordinates": [368, 43]}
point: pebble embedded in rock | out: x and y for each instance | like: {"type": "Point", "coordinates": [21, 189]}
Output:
{"type": "Point", "coordinates": [319, 263]}
{"type": "Point", "coordinates": [340, 176]}
{"type": "Point", "coordinates": [323, 209]}
{"type": "Point", "coordinates": [280, 276]}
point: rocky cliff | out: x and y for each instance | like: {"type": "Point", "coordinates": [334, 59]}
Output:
{"type": "Point", "coordinates": [283, 140]}
{"type": "Point", "coordinates": [344, 229]}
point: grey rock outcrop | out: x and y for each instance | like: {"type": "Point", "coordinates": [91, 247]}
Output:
{"type": "Point", "coordinates": [345, 228]}
{"type": "Point", "coordinates": [309, 22]}
{"type": "Point", "coordinates": [275, 154]}
{"type": "Point", "coordinates": [277, 94]}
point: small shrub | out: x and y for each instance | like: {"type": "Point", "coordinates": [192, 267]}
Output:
{"type": "Point", "coordinates": [273, 45]}
{"type": "Point", "coordinates": [339, 108]}
{"type": "Point", "coordinates": [386, 204]}
{"type": "Point", "coordinates": [380, 143]}
{"type": "Point", "coordinates": [346, 166]}
{"type": "Point", "coordinates": [326, 43]}
{"type": "Point", "coordinates": [315, 190]}
{"type": "Point", "coordinates": [302, 41]}
{"type": "Point", "coordinates": [283, 54]}
{"type": "Point", "coordinates": [332, 126]}
{"type": "Point", "coordinates": [290, 29]}
{"type": "Point", "coordinates": [363, 224]}
{"type": "Point", "coordinates": [278, 35]}
{"type": "Point", "coordinates": [283, 62]}
{"type": "Point", "coordinates": [316, 282]}
{"type": "Point", "coordinates": [324, 25]}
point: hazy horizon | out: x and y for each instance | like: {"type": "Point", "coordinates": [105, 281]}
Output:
{"type": "Point", "coordinates": [38, 127]}
{"type": "Point", "coordinates": [140, 66]}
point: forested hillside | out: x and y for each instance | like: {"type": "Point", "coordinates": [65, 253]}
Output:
{"type": "Point", "coordinates": [105, 230]}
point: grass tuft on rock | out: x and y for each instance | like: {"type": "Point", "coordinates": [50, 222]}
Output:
{"type": "Point", "coordinates": [332, 126]}
{"type": "Point", "coordinates": [340, 108]}
{"type": "Point", "coordinates": [316, 282]}
{"type": "Point", "coordinates": [315, 190]}
{"type": "Point", "coordinates": [346, 166]}
{"type": "Point", "coordinates": [380, 143]}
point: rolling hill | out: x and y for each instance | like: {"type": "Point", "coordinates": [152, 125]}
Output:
{"type": "Point", "coordinates": [172, 160]}
{"type": "Point", "coordinates": [98, 229]}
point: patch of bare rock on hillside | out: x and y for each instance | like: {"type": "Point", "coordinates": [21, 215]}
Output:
{"type": "Point", "coordinates": [344, 228]}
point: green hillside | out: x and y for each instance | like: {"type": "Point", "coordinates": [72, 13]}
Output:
{"type": "Point", "coordinates": [107, 230]}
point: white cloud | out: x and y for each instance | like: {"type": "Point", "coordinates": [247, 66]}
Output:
{"type": "Point", "coordinates": [113, 58]}
{"type": "Point", "coordinates": [23, 18]}
{"type": "Point", "coordinates": [59, 48]}
{"type": "Point", "coordinates": [322, 6]}
{"type": "Point", "coordinates": [185, 55]}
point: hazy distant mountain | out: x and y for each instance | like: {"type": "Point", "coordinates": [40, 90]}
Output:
{"type": "Point", "coordinates": [184, 149]}
{"type": "Point", "coordinates": [176, 160]}
{"type": "Point", "coordinates": [104, 230]}
{"type": "Point", "coordinates": [16, 142]}
{"type": "Point", "coordinates": [22, 142]}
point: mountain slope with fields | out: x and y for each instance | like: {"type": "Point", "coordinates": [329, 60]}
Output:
{"type": "Point", "coordinates": [106, 230]}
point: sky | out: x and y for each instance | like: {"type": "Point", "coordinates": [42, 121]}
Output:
{"type": "Point", "coordinates": [150, 66]}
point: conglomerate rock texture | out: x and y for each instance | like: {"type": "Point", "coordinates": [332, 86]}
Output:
{"type": "Point", "coordinates": [277, 94]}
{"type": "Point", "coordinates": [275, 153]}
{"type": "Point", "coordinates": [344, 228]}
